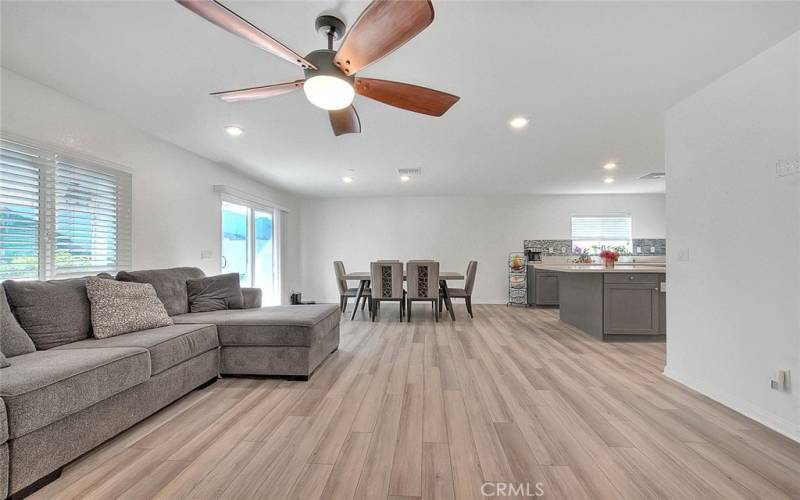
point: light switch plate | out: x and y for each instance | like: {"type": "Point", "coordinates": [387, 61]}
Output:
{"type": "Point", "coordinates": [206, 254]}
{"type": "Point", "coordinates": [683, 255]}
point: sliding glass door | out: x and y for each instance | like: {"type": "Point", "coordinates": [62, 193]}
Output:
{"type": "Point", "coordinates": [248, 247]}
{"type": "Point", "coordinates": [264, 263]}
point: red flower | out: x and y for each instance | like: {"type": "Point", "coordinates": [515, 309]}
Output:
{"type": "Point", "coordinates": [609, 255]}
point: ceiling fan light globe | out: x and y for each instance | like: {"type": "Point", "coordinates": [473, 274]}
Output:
{"type": "Point", "coordinates": [329, 92]}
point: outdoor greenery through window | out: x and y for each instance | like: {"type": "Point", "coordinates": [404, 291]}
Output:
{"type": "Point", "coordinates": [61, 216]}
{"type": "Point", "coordinates": [593, 234]}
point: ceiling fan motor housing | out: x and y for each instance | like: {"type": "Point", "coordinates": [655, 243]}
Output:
{"type": "Point", "coordinates": [330, 24]}
{"type": "Point", "coordinates": [323, 60]}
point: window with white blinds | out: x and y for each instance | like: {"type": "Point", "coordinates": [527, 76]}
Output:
{"type": "Point", "coordinates": [60, 216]}
{"type": "Point", "coordinates": [596, 233]}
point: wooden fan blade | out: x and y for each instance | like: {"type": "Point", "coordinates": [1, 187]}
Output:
{"type": "Point", "coordinates": [383, 26]}
{"type": "Point", "coordinates": [345, 121]}
{"type": "Point", "coordinates": [215, 12]}
{"type": "Point", "coordinates": [406, 96]}
{"type": "Point", "coordinates": [253, 93]}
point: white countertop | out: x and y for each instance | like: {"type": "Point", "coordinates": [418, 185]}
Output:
{"type": "Point", "coordinates": [596, 268]}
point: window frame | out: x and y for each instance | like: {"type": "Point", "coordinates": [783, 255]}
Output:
{"type": "Point", "coordinates": [47, 159]}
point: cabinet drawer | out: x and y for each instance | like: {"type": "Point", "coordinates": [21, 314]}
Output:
{"type": "Point", "coordinates": [631, 277]}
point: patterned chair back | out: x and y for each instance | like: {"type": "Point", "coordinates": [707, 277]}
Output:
{"type": "Point", "coordinates": [423, 279]}
{"type": "Point", "coordinates": [338, 268]}
{"type": "Point", "coordinates": [386, 280]}
{"type": "Point", "coordinates": [469, 279]}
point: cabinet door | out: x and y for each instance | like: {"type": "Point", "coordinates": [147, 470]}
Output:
{"type": "Point", "coordinates": [547, 289]}
{"type": "Point", "coordinates": [631, 309]}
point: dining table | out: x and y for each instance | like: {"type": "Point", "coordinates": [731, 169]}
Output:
{"type": "Point", "coordinates": [363, 277]}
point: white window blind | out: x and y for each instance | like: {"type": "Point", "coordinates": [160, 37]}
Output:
{"type": "Point", "coordinates": [81, 220]}
{"type": "Point", "coordinates": [19, 213]}
{"type": "Point", "coordinates": [601, 228]}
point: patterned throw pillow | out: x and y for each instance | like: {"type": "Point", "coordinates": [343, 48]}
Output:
{"type": "Point", "coordinates": [122, 307]}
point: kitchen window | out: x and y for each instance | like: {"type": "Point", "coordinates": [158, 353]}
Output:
{"type": "Point", "coordinates": [61, 216]}
{"type": "Point", "coordinates": [593, 234]}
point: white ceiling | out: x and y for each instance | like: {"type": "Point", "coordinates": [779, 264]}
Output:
{"type": "Point", "coordinates": [594, 78]}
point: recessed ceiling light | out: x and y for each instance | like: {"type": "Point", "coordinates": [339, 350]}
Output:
{"type": "Point", "coordinates": [234, 130]}
{"type": "Point", "coordinates": [608, 180]}
{"type": "Point", "coordinates": [610, 165]}
{"type": "Point", "coordinates": [347, 179]}
{"type": "Point", "coordinates": [518, 122]}
{"type": "Point", "coordinates": [405, 178]}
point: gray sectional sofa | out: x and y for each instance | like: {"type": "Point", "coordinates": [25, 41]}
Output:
{"type": "Point", "coordinates": [60, 402]}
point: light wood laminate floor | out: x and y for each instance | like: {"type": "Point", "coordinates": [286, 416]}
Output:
{"type": "Point", "coordinates": [427, 410]}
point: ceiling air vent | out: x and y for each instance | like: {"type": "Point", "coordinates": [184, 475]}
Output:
{"type": "Point", "coordinates": [409, 172]}
{"type": "Point", "coordinates": [653, 176]}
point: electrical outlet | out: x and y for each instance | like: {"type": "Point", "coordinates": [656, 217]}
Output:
{"type": "Point", "coordinates": [780, 381]}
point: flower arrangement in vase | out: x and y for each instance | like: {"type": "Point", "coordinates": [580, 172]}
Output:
{"type": "Point", "coordinates": [584, 257]}
{"type": "Point", "coordinates": [610, 257]}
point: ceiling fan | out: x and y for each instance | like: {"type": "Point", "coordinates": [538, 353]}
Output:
{"type": "Point", "coordinates": [330, 76]}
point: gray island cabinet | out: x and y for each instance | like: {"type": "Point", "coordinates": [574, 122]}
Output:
{"type": "Point", "coordinates": [542, 287]}
{"type": "Point", "coordinates": [624, 303]}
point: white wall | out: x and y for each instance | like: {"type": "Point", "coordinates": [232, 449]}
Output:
{"type": "Point", "coordinates": [734, 315]}
{"type": "Point", "coordinates": [452, 230]}
{"type": "Point", "coordinates": [175, 212]}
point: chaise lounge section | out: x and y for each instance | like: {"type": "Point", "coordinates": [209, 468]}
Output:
{"type": "Point", "coordinates": [59, 402]}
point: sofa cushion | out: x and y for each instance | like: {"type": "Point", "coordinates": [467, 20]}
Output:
{"type": "Point", "coordinates": [269, 326]}
{"type": "Point", "coordinates": [3, 361]}
{"type": "Point", "coordinates": [51, 312]}
{"type": "Point", "coordinates": [170, 285]}
{"type": "Point", "coordinates": [168, 346]}
{"type": "Point", "coordinates": [13, 340]}
{"type": "Point", "coordinates": [42, 387]}
{"type": "Point", "coordinates": [3, 422]}
{"type": "Point", "coordinates": [119, 307]}
{"type": "Point", "coordinates": [251, 297]}
{"type": "Point", "coordinates": [215, 293]}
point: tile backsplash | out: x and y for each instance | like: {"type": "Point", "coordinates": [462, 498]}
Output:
{"type": "Point", "coordinates": [641, 246]}
{"type": "Point", "coordinates": [550, 247]}
{"type": "Point", "coordinates": [649, 246]}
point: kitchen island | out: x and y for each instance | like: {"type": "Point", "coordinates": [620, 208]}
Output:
{"type": "Point", "coordinates": [627, 302]}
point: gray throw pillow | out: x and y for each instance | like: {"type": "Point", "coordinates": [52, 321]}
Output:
{"type": "Point", "coordinates": [215, 293]}
{"type": "Point", "coordinates": [119, 307]}
{"type": "Point", "coordinates": [13, 339]}
{"type": "Point", "coordinates": [3, 361]}
{"type": "Point", "coordinates": [53, 313]}
{"type": "Point", "coordinates": [170, 285]}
